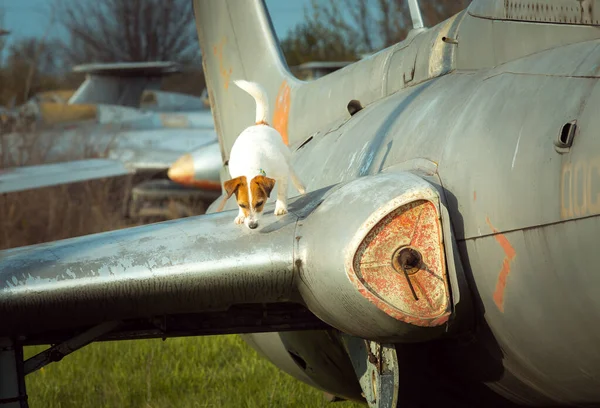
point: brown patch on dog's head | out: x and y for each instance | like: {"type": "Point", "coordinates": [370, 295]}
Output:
{"type": "Point", "coordinates": [261, 187]}
{"type": "Point", "coordinates": [239, 187]}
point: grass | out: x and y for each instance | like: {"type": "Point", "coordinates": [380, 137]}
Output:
{"type": "Point", "coordinates": [215, 371]}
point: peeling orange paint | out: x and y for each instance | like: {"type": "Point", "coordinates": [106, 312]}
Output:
{"type": "Point", "coordinates": [282, 110]}
{"type": "Point", "coordinates": [223, 71]}
{"type": "Point", "coordinates": [191, 181]}
{"type": "Point", "coordinates": [510, 254]}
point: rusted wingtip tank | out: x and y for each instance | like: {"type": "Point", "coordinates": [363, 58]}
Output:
{"type": "Point", "coordinates": [326, 254]}
{"type": "Point", "coordinates": [201, 168]}
{"type": "Point", "coordinates": [371, 259]}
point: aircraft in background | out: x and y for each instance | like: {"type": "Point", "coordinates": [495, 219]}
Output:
{"type": "Point", "coordinates": [117, 122]}
{"type": "Point", "coordinates": [445, 253]}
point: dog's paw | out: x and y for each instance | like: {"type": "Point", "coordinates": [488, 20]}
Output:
{"type": "Point", "coordinates": [280, 211]}
{"type": "Point", "coordinates": [239, 219]}
{"type": "Point", "coordinates": [302, 191]}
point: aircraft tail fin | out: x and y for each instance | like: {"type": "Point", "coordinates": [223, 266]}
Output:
{"type": "Point", "coordinates": [233, 36]}
{"type": "Point", "coordinates": [260, 97]}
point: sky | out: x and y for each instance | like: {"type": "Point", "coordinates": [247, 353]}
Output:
{"type": "Point", "coordinates": [26, 18]}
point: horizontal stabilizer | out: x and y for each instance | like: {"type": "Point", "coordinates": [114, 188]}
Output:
{"type": "Point", "coordinates": [120, 83]}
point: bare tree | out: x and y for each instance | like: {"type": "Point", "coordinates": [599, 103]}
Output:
{"type": "Point", "coordinates": [370, 25]}
{"type": "Point", "coordinates": [129, 30]}
{"type": "Point", "coordinates": [310, 41]}
{"type": "Point", "coordinates": [31, 66]}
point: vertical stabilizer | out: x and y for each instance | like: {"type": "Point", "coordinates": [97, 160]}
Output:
{"type": "Point", "coordinates": [238, 42]}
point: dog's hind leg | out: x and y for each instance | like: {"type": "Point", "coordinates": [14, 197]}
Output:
{"type": "Point", "coordinates": [297, 182]}
{"type": "Point", "coordinates": [281, 203]}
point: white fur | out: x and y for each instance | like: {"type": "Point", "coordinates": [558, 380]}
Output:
{"type": "Point", "coordinates": [261, 147]}
{"type": "Point", "coordinates": [259, 95]}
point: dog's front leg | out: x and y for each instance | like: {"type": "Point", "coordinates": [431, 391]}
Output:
{"type": "Point", "coordinates": [281, 204]}
{"type": "Point", "coordinates": [240, 218]}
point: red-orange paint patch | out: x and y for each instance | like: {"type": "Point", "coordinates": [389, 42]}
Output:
{"type": "Point", "coordinates": [223, 71]}
{"type": "Point", "coordinates": [282, 110]}
{"type": "Point", "coordinates": [510, 254]}
{"type": "Point", "coordinates": [420, 299]}
{"type": "Point", "coordinates": [474, 195]}
{"type": "Point", "coordinates": [190, 181]}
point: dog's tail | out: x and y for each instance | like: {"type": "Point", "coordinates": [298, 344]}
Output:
{"type": "Point", "coordinates": [260, 96]}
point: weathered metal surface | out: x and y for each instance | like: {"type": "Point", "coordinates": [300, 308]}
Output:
{"type": "Point", "coordinates": [201, 168]}
{"type": "Point", "coordinates": [180, 267]}
{"type": "Point", "coordinates": [195, 264]}
{"type": "Point", "coordinates": [315, 357]}
{"type": "Point", "coordinates": [252, 39]}
{"type": "Point", "coordinates": [12, 385]}
{"type": "Point", "coordinates": [486, 42]}
{"type": "Point", "coordinates": [576, 12]}
{"type": "Point", "coordinates": [360, 300]}
{"type": "Point", "coordinates": [46, 175]}
{"type": "Point", "coordinates": [418, 295]}
{"type": "Point", "coordinates": [376, 367]}
{"type": "Point", "coordinates": [488, 111]}
{"type": "Point", "coordinates": [120, 83]}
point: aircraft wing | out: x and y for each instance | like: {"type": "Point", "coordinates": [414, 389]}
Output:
{"type": "Point", "coordinates": [46, 175]}
{"type": "Point", "coordinates": [208, 275]}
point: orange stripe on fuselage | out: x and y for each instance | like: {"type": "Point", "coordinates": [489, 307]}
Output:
{"type": "Point", "coordinates": [510, 254]}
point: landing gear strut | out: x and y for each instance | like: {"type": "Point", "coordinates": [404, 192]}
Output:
{"type": "Point", "coordinates": [12, 374]}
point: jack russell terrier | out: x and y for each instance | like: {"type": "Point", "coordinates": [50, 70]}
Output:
{"type": "Point", "coordinates": [258, 160]}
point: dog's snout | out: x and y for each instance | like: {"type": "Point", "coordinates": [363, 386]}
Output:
{"type": "Point", "coordinates": [252, 224]}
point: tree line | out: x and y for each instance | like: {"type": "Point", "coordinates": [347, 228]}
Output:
{"type": "Point", "coordinates": [158, 30]}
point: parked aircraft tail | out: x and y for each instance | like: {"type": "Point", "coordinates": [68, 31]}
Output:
{"type": "Point", "coordinates": [239, 43]}
{"type": "Point", "coordinates": [120, 83]}
{"type": "Point", "coordinates": [234, 36]}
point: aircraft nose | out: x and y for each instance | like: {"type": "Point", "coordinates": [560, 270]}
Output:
{"type": "Point", "coordinates": [252, 224]}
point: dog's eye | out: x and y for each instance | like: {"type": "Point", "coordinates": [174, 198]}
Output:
{"type": "Point", "coordinates": [259, 203]}
{"type": "Point", "coordinates": [243, 206]}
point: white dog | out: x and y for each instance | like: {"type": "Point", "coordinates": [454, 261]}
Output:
{"type": "Point", "coordinates": [258, 160]}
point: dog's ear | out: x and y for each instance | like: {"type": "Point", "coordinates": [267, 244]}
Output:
{"type": "Point", "coordinates": [231, 186]}
{"type": "Point", "coordinates": [266, 183]}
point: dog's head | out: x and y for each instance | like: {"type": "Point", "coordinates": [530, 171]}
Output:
{"type": "Point", "coordinates": [251, 198]}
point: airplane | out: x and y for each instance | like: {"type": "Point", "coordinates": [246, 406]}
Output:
{"type": "Point", "coordinates": [444, 252]}
{"type": "Point", "coordinates": [200, 168]}
{"type": "Point", "coordinates": [116, 121]}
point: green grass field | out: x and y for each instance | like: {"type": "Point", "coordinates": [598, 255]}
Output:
{"type": "Point", "coordinates": [216, 371]}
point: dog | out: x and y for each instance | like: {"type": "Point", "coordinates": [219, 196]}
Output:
{"type": "Point", "coordinates": [259, 159]}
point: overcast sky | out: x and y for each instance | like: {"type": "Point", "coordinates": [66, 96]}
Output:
{"type": "Point", "coordinates": [26, 18]}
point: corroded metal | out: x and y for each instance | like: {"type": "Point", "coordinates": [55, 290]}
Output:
{"type": "Point", "coordinates": [195, 264]}
{"type": "Point", "coordinates": [378, 206]}
{"type": "Point", "coordinates": [487, 112]}
{"type": "Point", "coordinates": [209, 263]}
{"type": "Point", "coordinates": [416, 293]}
{"type": "Point", "coordinates": [376, 367]}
